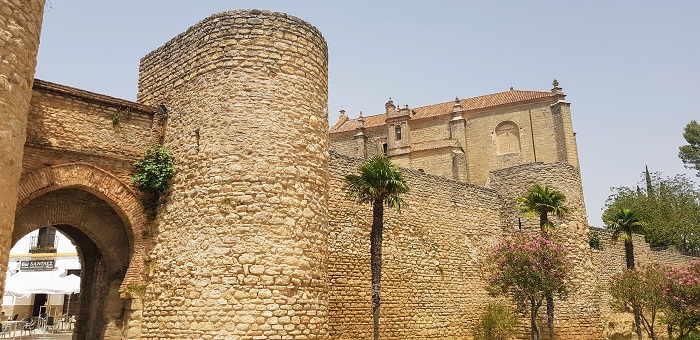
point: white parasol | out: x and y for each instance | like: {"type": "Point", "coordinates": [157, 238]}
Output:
{"type": "Point", "coordinates": [22, 284]}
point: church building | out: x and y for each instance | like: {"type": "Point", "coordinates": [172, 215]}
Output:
{"type": "Point", "coordinates": [467, 138]}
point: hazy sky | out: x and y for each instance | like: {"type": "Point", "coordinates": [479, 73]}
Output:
{"type": "Point", "coordinates": [629, 68]}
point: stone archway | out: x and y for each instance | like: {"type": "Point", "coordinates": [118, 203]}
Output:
{"type": "Point", "coordinates": [104, 217]}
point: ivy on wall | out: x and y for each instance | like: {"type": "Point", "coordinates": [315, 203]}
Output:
{"type": "Point", "coordinates": [152, 175]}
{"type": "Point", "coordinates": [121, 113]}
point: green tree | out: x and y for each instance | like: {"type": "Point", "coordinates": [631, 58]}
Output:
{"type": "Point", "coordinates": [690, 153]}
{"type": "Point", "coordinates": [640, 290]}
{"type": "Point", "coordinates": [669, 207]}
{"type": "Point", "coordinates": [378, 183]}
{"type": "Point", "coordinates": [527, 268]}
{"type": "Point", "coordinates": [540, 202]}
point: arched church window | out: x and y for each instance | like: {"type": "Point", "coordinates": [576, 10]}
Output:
{"type": "Point", "coordinates": [508, 137]}
{"type": "Point", "coordinates": [397, 130]}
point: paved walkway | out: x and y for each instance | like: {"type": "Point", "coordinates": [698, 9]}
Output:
{"type": "Point", "coordinates": [39, 334]}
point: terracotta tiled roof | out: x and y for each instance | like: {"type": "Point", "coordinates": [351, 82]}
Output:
{"type": "Point", "coordinates": [434, 144]}
{"type": "Point", "coordinates": [352, 124]}
{"type": "Point", "coordinates": [481, 102]}
{"type": "Point", "coordinates": [469, 104]}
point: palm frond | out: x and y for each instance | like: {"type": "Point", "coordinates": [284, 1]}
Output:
{"type": "Point", "coordinates": [624, 223]}
{"type": "Point", "coordinates": [624, 237]}
{"type": "Point", "coordinates": [540, 200]}
{"type": "Point", "coordinates": [530, 213]}
{"type": "Point", "coordinates": [378, 179]}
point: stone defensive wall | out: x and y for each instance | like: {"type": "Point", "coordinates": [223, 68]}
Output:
{"type": "Point", "coordinates": [242, 240]}
{"type": "Point", "coordinates": [515, 181]}
{"type": "Point", "coordinates": [610, 260]}
{"type": "Point", "coordinates": [78, 156]}
{"type": "Point", "coordinates": [256, 238]}
{"type": "Point", "coordinates": [432, 286]}
{"type": "Point", "coordinates": [431, 283]}
{"type": "Point", "coordinates": [20, 28]}
{"type": "Point", "coordinates": [579, 314]}
{"type": "Point", "coordinates": [68, 125]}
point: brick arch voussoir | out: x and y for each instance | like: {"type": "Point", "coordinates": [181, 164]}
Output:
{"type": "Point", "coordinates": [102, 184]}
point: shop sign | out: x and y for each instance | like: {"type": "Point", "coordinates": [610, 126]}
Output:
{"type": "Point", "coordinates": [38, 265]}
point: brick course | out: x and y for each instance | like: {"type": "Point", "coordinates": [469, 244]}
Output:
{"type": "Point", "coordinates": [105, 217]}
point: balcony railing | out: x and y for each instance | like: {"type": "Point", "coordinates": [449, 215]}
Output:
{"type": "Point", "coordinates": [43, 244]}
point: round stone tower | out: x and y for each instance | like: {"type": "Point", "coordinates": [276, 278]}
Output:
{"type": "Point", "coordinates": [20, 27]}
{"type": "Point", "coordinates": [241, 249]}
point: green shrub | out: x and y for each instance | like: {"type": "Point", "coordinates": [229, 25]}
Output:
{"type": "Point", "coordinates": [154, 171]}
{"type": "Point", "coordinates": [498, 322]}
{"type": "Point", "coordinates": [153, 174]}
{"type": "Point", "coordinates": [692, 336]}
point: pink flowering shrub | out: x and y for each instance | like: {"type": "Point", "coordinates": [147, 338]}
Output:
{"type": "Point", "coordinates": [527, 267]}
{"type": "Point", "coordinates": [682, 295]}
{"type": "Point", "coordinates": [638, 291]}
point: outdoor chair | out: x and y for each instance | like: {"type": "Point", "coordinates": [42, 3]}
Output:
{"type": "Point", "coordinates": [50, 322]}
{"type": "Point", "coordinates": [29, 326]}
{"type": "Point", "coordinates": [4, 332]}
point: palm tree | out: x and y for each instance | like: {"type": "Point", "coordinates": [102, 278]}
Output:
{"type": "Point", "coordinates": [623, 224]}
{"type": "Point", "coordinates": [378, 183]}
{"type": "Point", "coordinates": [540, 202]}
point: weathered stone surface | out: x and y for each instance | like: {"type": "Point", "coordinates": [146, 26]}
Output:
{"type": "Point", "coordinates": [20, 28]}
{"type": "Point", "coordinates": [257, 239]}
{"type": "Point", "coordinates": [249, 129]}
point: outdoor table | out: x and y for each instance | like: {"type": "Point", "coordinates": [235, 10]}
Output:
{"type": "Point", "coordinates": [12, 327]}
{"type": "Point", "coordinates": [66, 323]}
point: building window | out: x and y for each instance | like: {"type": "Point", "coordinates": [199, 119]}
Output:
{"type": "Point", "coordinates": [384, 148]}
{"type": "Point", "coordinates": [45, 242]}
{"type": "Point", "coordinates": [397, 129]}
{"type": "Point", "coordinates": [507, 137]}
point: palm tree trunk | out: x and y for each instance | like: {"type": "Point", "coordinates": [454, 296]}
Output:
{"type": "Point", "coordinates": [629, 259]}
{"type": "Point", "coordinates": [543, 221]}
{"type": "Point", "coordinates": [550, 298]}
{"type": "Point", "coordinates": [629, 253]}
{"type": "Point", "coordinates": [376, 259]}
